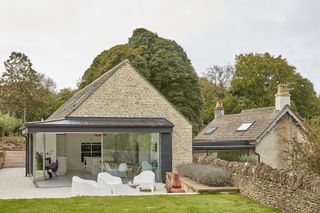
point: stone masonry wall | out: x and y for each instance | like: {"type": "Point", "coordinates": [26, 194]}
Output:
{"type": "Point", "coordinates": [127, 94]}
{"type": "Point", "coordinates": [273, 148]}
{"type": "Point", "coordinates": [278, 188]}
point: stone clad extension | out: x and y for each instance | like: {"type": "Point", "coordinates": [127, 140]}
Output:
{"type": "Point", "coordinates": [126, 93]}
{"type": "Point", "coordinates": [120, 118]}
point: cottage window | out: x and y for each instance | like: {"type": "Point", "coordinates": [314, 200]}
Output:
{"type": "Point", "coordinates": [245, 126]}
{"type": "Point", "coordinates": [210, 130]}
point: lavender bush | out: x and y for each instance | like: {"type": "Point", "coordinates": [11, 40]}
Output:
{"type": "Point", "coordinates": [205, 174]}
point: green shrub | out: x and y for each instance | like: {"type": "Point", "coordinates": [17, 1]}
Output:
{"type": "Point", "coordinates": [9, 125]}
{"type": "Point", "coordinates": [305, 154]}
{"type": "Point", "coordinates": [248, 158]}
{"type": "Point", "coordinates": [39, 160]}
{"type": "Point", "coordinates": [205, 174]}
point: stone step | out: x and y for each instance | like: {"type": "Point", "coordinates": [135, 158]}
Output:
{"type": "Point", "coordinates": [8, 165]}
{"type": "Point", "coordinates": [14, 153]}
{"type": "Point", "coordinates": [14, 159]}
{"type": "Point", "coordinates": [14, 166]}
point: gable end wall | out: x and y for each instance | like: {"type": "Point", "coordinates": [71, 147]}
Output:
{"type": "Point", "coordinates": [273, 148]}
{"type": "Point", "coordinates": [127, 94]}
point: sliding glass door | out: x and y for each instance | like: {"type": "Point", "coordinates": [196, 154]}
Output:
{"type": "Point", "coordinates": [128, 154]}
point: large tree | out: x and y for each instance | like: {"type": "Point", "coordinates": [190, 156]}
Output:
{"type": "Point", "coordinates": [110, 58]}
{"type": "Point", "coordinates": [256, 78]}
{"type": "Point", "coordinates": [220, 76]}
{"type": "Point", "coordinates": [24, 92]}
{"type": "Point", "coordinates": [209, 95]}
{"type": "Point", "coordinates": [214, 86]}
{"type": "Point", "coordinates": [163, 62]}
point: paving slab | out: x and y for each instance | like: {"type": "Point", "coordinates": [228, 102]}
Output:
{"type": "Point", "coordinates": [15, 185]}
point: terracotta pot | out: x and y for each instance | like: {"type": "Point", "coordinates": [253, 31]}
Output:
{"type": "Point", "coordinates": [176, 182]}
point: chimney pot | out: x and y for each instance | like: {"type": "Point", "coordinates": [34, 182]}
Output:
{"type": "Point", "coordinates": [282, 97]}
{"type": "Point", "coordinates": [219, 110]}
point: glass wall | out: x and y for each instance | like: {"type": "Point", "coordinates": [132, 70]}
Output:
{"type": "Point", "coordinates": [45, 154]}
{"type": "Point", "coordinates": [229, 155]}
{"type": "Point", "coordinates": [86, 154]}
{"type": "Point", "coordinates": [128, 154]}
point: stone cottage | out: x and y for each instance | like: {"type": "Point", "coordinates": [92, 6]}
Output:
{"type": "Point", "coordinates": [262, 132]}
{"type": "Point", "coordinates": [118, 118]}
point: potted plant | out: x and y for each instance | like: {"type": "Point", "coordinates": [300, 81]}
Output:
{"type": "Point", "coordinates": [39, 160]}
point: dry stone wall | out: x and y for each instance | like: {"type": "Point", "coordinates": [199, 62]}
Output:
{"type": "Point", "coordinates": [286, 190]}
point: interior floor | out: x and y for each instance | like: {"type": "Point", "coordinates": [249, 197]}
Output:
{"type": "Point", "coordinates": [65, 180]}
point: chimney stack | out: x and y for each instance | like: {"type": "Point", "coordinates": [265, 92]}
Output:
{"type": "Point", "coordinates": [219, 110]}
{"type": "Point", "coordinates": [282, 96]}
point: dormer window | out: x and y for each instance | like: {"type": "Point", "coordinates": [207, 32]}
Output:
{"type": "Point", "coordinates": [244, 126]}
{"type": "Point", "coordinates": [210, 130]}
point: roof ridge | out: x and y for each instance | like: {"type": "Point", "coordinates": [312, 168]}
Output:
{"type": "Point", "coordinates": [260, 108]}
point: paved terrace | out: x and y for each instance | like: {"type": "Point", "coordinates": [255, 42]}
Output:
{"type": "Point", "coordinates": [14, 185]}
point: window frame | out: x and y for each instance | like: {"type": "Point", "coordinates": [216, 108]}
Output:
{"type": "Point", "coordinates": [244, 123]}
{"type": "Point", "coordinates": [212, 130]}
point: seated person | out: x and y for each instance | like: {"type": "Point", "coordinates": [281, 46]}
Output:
{"type": "Point", "coordinates": [52, 168]}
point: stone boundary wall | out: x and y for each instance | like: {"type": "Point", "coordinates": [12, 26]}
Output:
{"type": "Point", "coordinates": [1, 159]}
{"type": "Point", "coordinates": [286, 190]}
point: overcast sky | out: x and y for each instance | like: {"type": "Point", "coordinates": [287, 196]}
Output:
{"type": "Point", "coordinates": [62, 37]}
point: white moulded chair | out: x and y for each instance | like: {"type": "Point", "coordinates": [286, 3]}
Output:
{"type": "Point", "coordinates": [125, 190]}
{"type": "Point", "coordinates": [146, 179]}
{"type": "Point", "coordinates": [86, 188]}
{"type": "Point", "coordinates": [90, 188]}
{"type": "Point", "coordinates": [105, 178]}
{"type": "Point", "coordinates": [107, 181]}
{"type": "Point", "coordinates": [76, 186]}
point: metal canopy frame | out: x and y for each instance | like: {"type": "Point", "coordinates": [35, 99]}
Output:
{"type": "Point", "coordinates": [100, 124]}
{"type": "Point", "coordinates": [103, 125]}
{"type": "Point", "coordinates": [222, 145]}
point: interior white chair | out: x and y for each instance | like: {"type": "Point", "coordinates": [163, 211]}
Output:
{"type": "Point", "coordinates": [105, 167]}
{"type": "Point", "coordinates": [146, 179]}
{"type": "Point", "coordinates": [123, 168]}
{"type": "Point", "coordinates": [125, 190]}
{"type": "Point", "coordinates": [105, 180]}
{"type": "Point", "coordinates": [145, 166]}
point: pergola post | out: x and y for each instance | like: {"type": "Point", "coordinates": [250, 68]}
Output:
{"type": "Point", "coordinates": [102, 161]}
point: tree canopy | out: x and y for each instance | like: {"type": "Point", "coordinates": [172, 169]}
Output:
{"type": "Point", "coordinates": [256, 78]}
{"type": "Point", "coordinates": [25, 93]}
{"type": "Point", "coordinates": [250, 83]}
{"type": "Point", "coordinates": [163, 62]}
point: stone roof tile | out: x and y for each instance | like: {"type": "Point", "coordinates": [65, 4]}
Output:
{"type": "Point", "coordinates": [228, 124]}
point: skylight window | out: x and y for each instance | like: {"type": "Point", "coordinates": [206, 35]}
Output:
{"type": "Point", "coordinates": [245, 126]}
{"type": "Point", "coordinates": [210, 130]}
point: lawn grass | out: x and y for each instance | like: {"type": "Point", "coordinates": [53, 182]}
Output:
{"type": "Point", "coordinates": [173, 203]}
